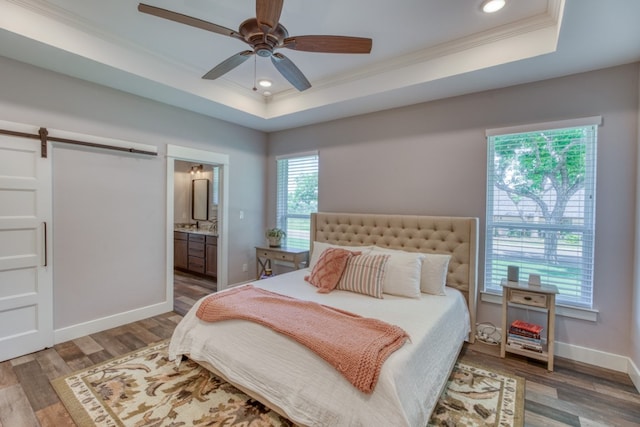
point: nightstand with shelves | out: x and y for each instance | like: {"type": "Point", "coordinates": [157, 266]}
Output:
{"type": "Point", "coordinates": [265, 255]}
{"type": "Point", "coordinates": [539, 298]}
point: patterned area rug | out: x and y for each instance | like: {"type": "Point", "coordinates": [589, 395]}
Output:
{"type": "Point", "coordinates": [145, 389]}
{"type": "Point", "coordinates": [476, 396]}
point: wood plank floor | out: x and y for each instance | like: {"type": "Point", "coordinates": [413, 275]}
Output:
{"type": "Point", "coordinates": [188, 288]}
{"type": "Point", "coordinates": [572, 395]}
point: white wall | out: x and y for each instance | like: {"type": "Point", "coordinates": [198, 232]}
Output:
{"type": "Point", "coordinates": [431, 159]}
{"type": "Point", "coordinates": [109, 208]}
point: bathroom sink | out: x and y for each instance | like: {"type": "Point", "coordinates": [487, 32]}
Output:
{"type": "Point", "coordinates": [196, 231]}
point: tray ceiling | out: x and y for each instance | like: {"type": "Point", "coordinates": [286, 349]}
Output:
{"type": "Point", "coordinates": [422, 50]}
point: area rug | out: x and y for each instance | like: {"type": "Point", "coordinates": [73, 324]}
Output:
{"type": "Point", "coordinates": [144, 388]}
{"type": "Point", "coordinates": [477, 396]}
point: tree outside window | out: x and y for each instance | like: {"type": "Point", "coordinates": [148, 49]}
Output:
{"type": "Point", "coordinates": [297, 197]}
{"type": "Point", "coordinates": [540, 209]}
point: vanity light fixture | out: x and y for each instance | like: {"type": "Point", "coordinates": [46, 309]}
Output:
{"type": "Point", "coordinates": [491, 6]}
{"type": "Point", "coordinates": [196, 169]}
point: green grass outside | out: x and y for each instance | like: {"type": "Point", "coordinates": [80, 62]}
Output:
{"type": "Point", "coordinates": [298, 233]}
{"type": "Point", "coordinates": [566, 278]}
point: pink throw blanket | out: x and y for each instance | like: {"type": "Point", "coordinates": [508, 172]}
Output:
{"type": "Point", "coordinates": [356, 346]}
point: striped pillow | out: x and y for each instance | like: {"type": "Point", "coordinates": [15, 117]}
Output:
{"type": "Point", "coordinates": [364, 274]}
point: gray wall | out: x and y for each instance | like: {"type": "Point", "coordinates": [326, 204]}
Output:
{"type": "Point", "coordinates": [424, 159]}
{"type": "Point", "coordinates": [431, 159]}
{"type": "Point", "coordinates": [635, 316]}
{"type": "Point", "coordinates": [110, 209]}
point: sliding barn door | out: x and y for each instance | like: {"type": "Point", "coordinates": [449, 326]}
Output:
{"type": "Point", "coordinates": [26, 297]}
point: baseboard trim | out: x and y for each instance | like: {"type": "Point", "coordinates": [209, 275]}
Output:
{"type": "Point", "coordinates": [601, 359]}
{"type": "Point", "coordinates": [108, 322]}
{"type": "Point", "coordinates": [634, 373]}
{"type": "Point", "coordinates": [590, 356]}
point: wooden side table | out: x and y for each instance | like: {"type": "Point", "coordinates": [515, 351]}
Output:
{"type": "Point", "coordinates": [521, 294]}
{"type": "Point", "coordinates": [264, 256]}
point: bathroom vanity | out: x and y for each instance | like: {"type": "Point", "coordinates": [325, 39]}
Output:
{"type": "Point", "coordinates": [196, 251]}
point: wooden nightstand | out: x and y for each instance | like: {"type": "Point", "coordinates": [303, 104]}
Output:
{"type": "Point", "coordinates": [264, 256]}
{"type": "Point", "coordinates": [521, 294]}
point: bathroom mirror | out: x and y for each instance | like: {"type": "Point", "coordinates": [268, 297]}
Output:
{"type": "Point", "coordinates": [200, 199]}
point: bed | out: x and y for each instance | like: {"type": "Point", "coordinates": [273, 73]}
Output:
{"type": "Point", "coordinates": [292, 380]}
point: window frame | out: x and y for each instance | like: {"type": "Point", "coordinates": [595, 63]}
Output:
{"type": "Point", "coordinates": [491, 285]}
{"type": "Point", "coordinates": [282, 196]}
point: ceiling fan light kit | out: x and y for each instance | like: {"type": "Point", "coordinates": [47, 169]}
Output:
{"type": "Point", "coordinates": [265, 35]}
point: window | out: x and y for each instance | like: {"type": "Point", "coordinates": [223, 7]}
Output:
{"type": "Point", "coordinates": [215, 182]}
{"type": "Point", "coordinates": [541, 206]}
{"type": "Point", "coordinates": [297, 197]}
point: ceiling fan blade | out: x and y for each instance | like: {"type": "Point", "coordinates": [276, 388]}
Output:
{"type": "Point", "coordinates": [329, 44]}
{"type": "Point", "coordinates": [268, 13]}
{"type": "Point", "coordinates": [188, 20]}
{"type": "Point", "coordinates": [228, 65]}
{"type": "Point", "coordinates": [290, 72]}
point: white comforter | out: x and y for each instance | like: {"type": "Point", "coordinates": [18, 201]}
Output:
{"type": "Point", "coordinates": [312, 392]}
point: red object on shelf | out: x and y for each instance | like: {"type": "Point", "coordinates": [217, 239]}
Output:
{"type": "Point", "coordinates": [526, 326]}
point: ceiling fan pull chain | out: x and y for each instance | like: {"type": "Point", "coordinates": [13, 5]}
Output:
{"type": "Point", "coordinates": [255, 60]}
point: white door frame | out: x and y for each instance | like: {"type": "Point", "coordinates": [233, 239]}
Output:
{"type": "Point", "coordinates": [175, 152]}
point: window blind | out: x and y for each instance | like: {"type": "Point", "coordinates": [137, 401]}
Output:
{"type": "Point", "coordinates": [216, 185]}
{"type": "Point", "coordinates": [297, 197]}
{"type": "Point", "coordinates": [541, 209]}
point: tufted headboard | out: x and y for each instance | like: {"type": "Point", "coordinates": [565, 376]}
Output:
{"type": "Point", "coordinates": [457, 236]}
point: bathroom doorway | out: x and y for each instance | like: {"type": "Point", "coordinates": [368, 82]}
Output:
{"type": "Point", "coordinates": [197, 242]}
{"type": "Point", "coordinates": [196, 199]}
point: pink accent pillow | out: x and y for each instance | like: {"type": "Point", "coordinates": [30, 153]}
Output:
{"type": "Point", "coordinates": [328, 270]}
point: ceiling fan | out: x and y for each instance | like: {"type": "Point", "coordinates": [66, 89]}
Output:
{"type": "Point", "coordinates": [265, 35]}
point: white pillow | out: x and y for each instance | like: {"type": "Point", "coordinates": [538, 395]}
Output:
{"type": "Point", "coordinates": [319, 247]}
{"type": "Point", "coordinates": [402, 277]}
{"type": "Point", "coordinates": [434, 273]}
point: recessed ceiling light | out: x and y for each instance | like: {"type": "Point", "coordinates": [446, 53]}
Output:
{"type": "Point", "coordinates": [490, 6]}
{"type": "Point", "coordinates": [264, 83]}
{"type": "Point", "coordinates": [266, 93]}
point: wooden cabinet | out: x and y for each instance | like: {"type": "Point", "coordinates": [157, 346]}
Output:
{"type": "Point", "coordinates": [523, 295]}
{"type": "Point", "coordinates": [180, 249]}
{"type": "Point", "coordinates": [195, 253]}
{"type": "Point", "coordinates": [211, 256]}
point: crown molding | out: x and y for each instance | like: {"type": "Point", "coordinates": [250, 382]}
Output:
{"type": "Point", "coordinates": [70, 19]}
{"type": "Point", "coordinates": [473, 41]}
{"type": "Point", "coordinates": [540, 22]}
